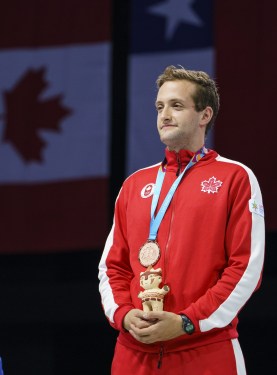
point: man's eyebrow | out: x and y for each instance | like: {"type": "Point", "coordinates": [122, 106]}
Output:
{"type": "Point", "coordinates": [171, 100]}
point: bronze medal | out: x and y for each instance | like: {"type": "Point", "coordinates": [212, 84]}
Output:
{"type": "Point", "coordinates": [149, 253]}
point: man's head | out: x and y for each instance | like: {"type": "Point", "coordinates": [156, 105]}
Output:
{"type": "Point", "coordinates": [205, 94]}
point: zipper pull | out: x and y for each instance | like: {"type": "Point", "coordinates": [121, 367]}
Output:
{"type": "Point", "coordinates": [160, 357]}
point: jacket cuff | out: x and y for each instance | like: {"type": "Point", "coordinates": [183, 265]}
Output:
{"type": "Point", "coordinates": [119, 316]}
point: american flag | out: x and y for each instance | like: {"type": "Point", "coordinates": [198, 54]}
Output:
{"type": "Point", "coordinates": [233, 41]}
{"type": "Point", "coordinates": [170, 32]}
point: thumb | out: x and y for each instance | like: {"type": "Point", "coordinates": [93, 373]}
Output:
{"type": "Point", "coordinates": [152, 315]}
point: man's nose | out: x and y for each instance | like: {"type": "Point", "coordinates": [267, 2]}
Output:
{"type": "Point", "coordinates": [166, 114]}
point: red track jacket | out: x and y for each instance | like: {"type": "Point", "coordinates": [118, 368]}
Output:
{"type": "Point", "coordinates": [212, 241]}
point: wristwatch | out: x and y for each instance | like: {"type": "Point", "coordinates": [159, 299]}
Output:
{"type": "Point", "coordinates": [187, 325]}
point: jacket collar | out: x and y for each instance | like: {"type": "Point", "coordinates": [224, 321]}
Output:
{"type": "Point", "coordinates": [176, 161]}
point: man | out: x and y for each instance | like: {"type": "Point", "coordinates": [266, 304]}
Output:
{"type": "Point", "coordinates": [198, 218]}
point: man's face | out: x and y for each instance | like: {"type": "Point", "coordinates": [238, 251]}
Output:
{"type": "Point", "coordinates": [178, 123]}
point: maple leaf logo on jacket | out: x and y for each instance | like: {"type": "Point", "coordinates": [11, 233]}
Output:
{"type": "Point", "coordinates": [27, 114]}
{"type": "Point", "coordinates": [211, 186]}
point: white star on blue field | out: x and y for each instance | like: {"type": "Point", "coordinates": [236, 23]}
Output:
{"type": "Point", "coordinates": [171, 25]}
{"type": "Point", "coordinates": [176, 12]}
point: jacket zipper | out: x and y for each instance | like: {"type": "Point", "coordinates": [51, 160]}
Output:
{"type": "Point", "coordinates": [179, 165]}
{"type": "Point", "coordinates": [171, 219]}
{"type": "Point", "coordinates": [167, 245]}
{"type": "Point", "coordinates": [161, 353]}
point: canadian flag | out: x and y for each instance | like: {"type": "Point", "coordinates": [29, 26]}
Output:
{"type": "Point", "coordinates": [54, 124]}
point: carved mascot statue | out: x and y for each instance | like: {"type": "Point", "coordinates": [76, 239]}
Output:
{"type": "Point", "coordinates": [153, 296]}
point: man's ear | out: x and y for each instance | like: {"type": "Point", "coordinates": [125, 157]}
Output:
{"type": "Point", "coordinates": [207, 115]}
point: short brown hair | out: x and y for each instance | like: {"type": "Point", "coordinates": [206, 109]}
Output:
{"type": "Point", "coordinates": [206, 93]}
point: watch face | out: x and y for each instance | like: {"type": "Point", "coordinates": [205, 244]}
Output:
{"type": "Point", "coordinates": [189, 328]}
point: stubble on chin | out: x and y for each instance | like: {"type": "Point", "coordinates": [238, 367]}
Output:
{"type": "Point", "coordinates": [169, 143]}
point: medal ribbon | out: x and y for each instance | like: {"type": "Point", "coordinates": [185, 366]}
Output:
{"type": "Point", "coordinates": [156, 221]}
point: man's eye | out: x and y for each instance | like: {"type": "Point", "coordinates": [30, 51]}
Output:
{"type": "Point", "coordinates": [159, 108]}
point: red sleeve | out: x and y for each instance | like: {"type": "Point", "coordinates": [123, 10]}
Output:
{"type": "Point", "coordinates": [244, 244]}
{"type": "Point", "coordinates": [115, 273]}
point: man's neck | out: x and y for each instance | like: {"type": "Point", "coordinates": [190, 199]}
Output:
{"type": "Point", "coordinates": [191, 148]}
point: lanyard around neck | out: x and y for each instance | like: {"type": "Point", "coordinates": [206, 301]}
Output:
{"type": "Point", "coordinates": [156, 221]}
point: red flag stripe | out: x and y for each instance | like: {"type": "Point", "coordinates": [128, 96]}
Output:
{"type": "Point", "coordinates": [38, 23]}
{"type": "Point", "coordinates": [247, 78]}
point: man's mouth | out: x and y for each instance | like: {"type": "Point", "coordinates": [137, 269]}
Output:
{"type": "Point", "coordinates": [167, 126]}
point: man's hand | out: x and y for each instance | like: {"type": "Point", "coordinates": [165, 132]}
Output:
{"type": "Point", "coordinates": [153, 326]}
{"type": "Point", "coordinates": [136, 318]}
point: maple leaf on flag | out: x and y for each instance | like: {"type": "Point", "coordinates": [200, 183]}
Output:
{"type": "Point", "coordinates": [27, 114]}
{"type": "Point", "coordinates": [211, 186]}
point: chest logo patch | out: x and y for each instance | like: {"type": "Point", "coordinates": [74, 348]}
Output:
{"type": "Point", "coordinates": [211, 185]}
{"type": "Point", "coordinates": [147, 191]}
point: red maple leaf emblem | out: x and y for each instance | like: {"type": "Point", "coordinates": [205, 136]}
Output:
{"type": "Point", "coordinates": [211, 186]}
{"type": "Point", "coordinates": [27, 114]}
